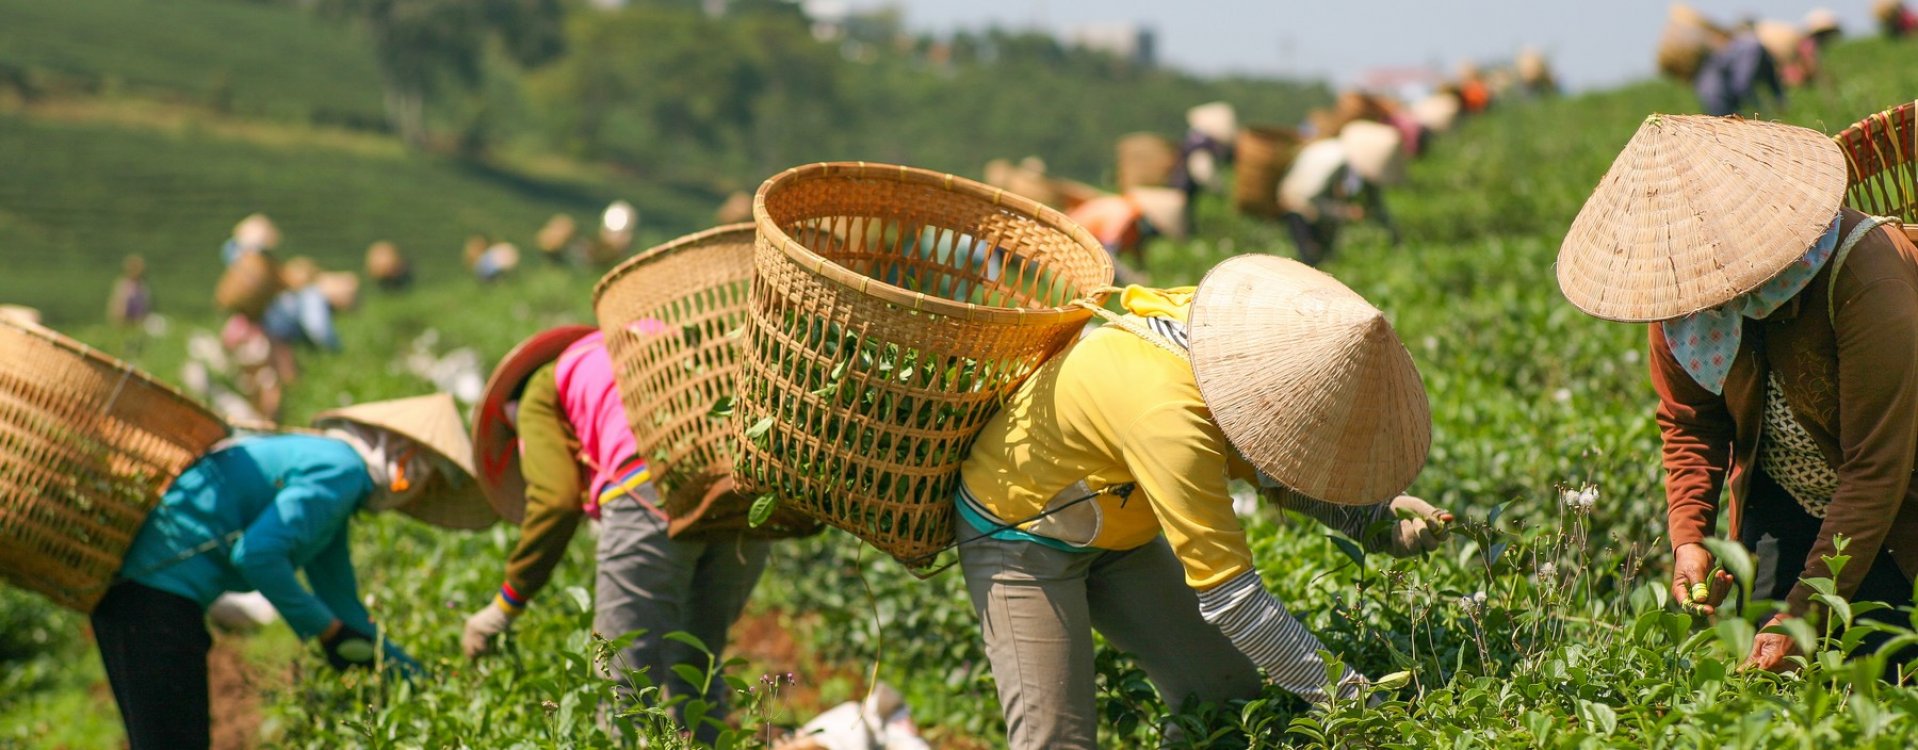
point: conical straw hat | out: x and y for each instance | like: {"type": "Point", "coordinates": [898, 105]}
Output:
{"type": "Point", "coordinates": [1820, 20]}
{"type": "Point", "coordinates": [1695, 211]}
{"type": "Point", "coordinates": [433, 422]}
{"type": "Point", "coordinates": [1163, 207]}
{"type": "Point", "coordinates": [1375, 150]}
{"type": "Point", "coordinates": [1308, 380]}
{"type": "Point", "coordinates": [495, 440]}
{"type": "Point", "coordinates": [1215, 120]}
{"type": "Point", "coordinates": [1779, 38]}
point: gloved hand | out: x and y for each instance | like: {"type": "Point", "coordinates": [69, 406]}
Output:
{"type": "Point", "coordinates": [482, 629]}
{"type": "Point", "coordinates": [1420, 527]}
{"type": "Point", "coordinates": [347, 648]}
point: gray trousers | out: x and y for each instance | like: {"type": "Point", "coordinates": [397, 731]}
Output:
{"type": "Point", "coordinates": [650, 582]}
{"type": "Point", "coordinates": [1038, 607]}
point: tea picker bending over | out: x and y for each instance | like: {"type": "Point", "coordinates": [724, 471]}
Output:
{"type": "Point", "coordinates": [253, 515]}
{"type": "Point", "coordinates": [554, 447]}
{"type": "Point", "coordinates": [1268, 371]}
{"type": "Point", "coordinates": [1783, 332]}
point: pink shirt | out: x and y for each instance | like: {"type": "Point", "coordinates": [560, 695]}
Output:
{"type": "Point", "coordinates": [589, 397]}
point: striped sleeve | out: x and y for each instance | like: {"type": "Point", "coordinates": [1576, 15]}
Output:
{"type": "Point", "coordinates": [1354, 521]}
{"type": "Point", "coordinates": [1275, 641]}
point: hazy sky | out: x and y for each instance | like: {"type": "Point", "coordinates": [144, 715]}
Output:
{"type": "Point", "coordinates": [1590, 42]}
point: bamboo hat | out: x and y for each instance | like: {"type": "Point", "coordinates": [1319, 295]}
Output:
{"type": "Point", "coordinates": [1215, 120]}
{"type": "Point", "coordinates": [1375, 150]}
{"type": "Point", "coordinates": [340, 288]}
{"type": "Point", "coordinates": [1308, 381]}
{"type": "Point", "coordinates": [1163, 208]}
{"type": "Point", "coordinates": [1696, 211]}
{"type": "Point", "coordinates": [1821, 20]}
{"type": "Point", "coordinates": [1437, 112]}
{"type": "Point", "coordinates": [1779, 38]}
{"type": "Point", "coordinates": [433, 422]}
{"type": "Point", "coordinates": [383, 261]}
{"type": "Point", "coordinates": [495, 438]}
{"type": "Point", "coordinates": [257, 232]}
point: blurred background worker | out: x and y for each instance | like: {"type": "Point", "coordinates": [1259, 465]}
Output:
{"type": "Point", "coordinates": [388, 269]}
{"type": "Point", "coordinates": [1894, 19]}
{"type": "Point", "coordinates": [131, 299]}
{"type": "Point", "coordinates": [1204, 153]}
{"type": "Point", "coordinates": [257, 514]}
{"type": "Point", "coordinates": [1338, 180]}
{"type": "Point", "coordinates": [1122, 223]}
{"type": "Point", "coordinates": [556, 239]}
{"type": "Point", "coordinates": [554, 447]}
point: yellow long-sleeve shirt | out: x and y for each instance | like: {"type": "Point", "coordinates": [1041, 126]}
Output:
{"type": "Point", "coordinates": [1117, 409]}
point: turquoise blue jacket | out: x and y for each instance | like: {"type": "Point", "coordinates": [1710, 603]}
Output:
{"type": "Point", "coordinates": [251, 515]}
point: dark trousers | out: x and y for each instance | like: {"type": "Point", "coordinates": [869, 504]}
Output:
{"type": "Point", "coordinates": [1780, 535]}
{"type": "Point", "coordinates": [154, 645]}
{"type": "Point", "coordinates": [1314, 239]}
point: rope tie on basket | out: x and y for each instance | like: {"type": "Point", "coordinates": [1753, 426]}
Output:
{"type": "Point", "coordinates": [1123, 491]}
{"type": "Point", "coordinates": [1133, 326]}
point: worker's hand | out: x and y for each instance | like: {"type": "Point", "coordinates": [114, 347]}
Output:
{"type": "Point", "coordinates": [1695, 587]}
{"type": "Point", "coordinates": [1420, 526]}
{"type": "Point", "coordinates": [346, 647]}
{"type": "Point", "coordinates": [1771, 650]}
{"type": "Point", "coordinates": [483, 630]}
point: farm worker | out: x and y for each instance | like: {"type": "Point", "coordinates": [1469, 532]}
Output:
{"type": "Point", "coordinates": [1212, 129]}
{"type": "Point", "coordinates": [1123, 222]}
{"type": "Point", "coordinates": [1732, 76]}
{"type": "Point", "coordinates": [1894, 19]}
{"type": "Point", "coordinates": [554, 447]}
{"type": "Point", "coordinates": [556, 238]}
{"type": "Point", "coordinates": [1821, 24]}
{"type": "Point", "coordinates": [616, 227]}
{"type": "Point", "coordinates": [1781, 359]}
{"type": "Point", "coordinates": [301, 315]}
{"type": "Point", "coordinates": [132, 298]}
{"type": "Point", "coordinates": [1791, 49]}
{"type": "Point", "coordinates": [255, 233]}
{"type": "Point", "coordinates": [255, 514]}
{"type": "Point", "coordinates": [1268, 372]}
{"type": "Point", "coordinates": [1535, 72]}
{"type": "Point", "coordinates": [1336, 180]}
{"type": "Point", "coordinates": [264, 365]}
{"type": "Point", "coordinates": [387, 267]}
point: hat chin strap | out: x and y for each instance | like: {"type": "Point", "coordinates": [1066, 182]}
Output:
{"type": "Point", "coordinates": [399, 469]}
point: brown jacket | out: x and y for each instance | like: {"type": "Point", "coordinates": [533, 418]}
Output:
{"type": "Point", "coordinates": [1853, 385]}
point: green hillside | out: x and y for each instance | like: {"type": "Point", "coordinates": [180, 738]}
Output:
{"type": "Point", "coordinates": [249, 58]}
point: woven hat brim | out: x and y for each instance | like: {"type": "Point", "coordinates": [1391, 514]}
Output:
{"type": "Point", "coordinates": [1375, 150]}
{"type": "Point", "coordinates": [1164, 208]}
{"type": "Point", "coordinates": [495, 445]}
{"type": "Point", "coordinates": [432, 422]}
{"type": "Point", "coordinates": [1695, 211]}
{"type": "Point", "coordinates": [1308, 381]}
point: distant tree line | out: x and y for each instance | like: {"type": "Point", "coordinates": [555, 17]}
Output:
{"type": "Point", "coordinates": [674, 91]}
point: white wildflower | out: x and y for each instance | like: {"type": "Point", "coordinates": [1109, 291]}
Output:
{"type": "Point", "coordinates": [1562, 395]}
{"type": "Point", "coordinates": [1587, 498]}
{"type": "Point", "coordinates": [1547, 572]}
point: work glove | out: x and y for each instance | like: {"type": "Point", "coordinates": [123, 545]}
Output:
{"type": "Point", "coordinates": [1419, 529]}
{"type": "Point", "coordinates": [483, 630]}
{"type": "Point", "coordinates": [349, 648]}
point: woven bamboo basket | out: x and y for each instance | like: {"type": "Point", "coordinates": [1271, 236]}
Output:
{"type": "Point", "coordinates": [892, 310]}
{"type": "Point", "coordinates": [87, 446]}
{"type": "Point", "coordinates": [1881, 158]}
{"type": "Point", "coordinates": [1145, 160]}
{"type": "Point", "coordinates": [1261, 156]}
{"type": "Point", "coordinates": [674, 318]}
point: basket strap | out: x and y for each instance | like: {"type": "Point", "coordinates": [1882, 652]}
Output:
{"type": "Point", "coordinates": [1133, 326]}
{"type": "Point", "coordinates": [1838, 259]}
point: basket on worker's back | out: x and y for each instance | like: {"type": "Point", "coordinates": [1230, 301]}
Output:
{"type": "Point", "coordinates": [87, 446]}
{"type": "Point", "coordinates": [1261, 157]}
{"type": "Point", "coordinates": [1881, 159]}
{"type": "Point", "coordinates": [674, 319]}
{"type": "Point", "coordinates": [893, 309]}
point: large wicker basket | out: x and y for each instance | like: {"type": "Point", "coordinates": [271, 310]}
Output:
{"type": "Point", "coordinates": [1881, 155]}
{"type": "Point", "coordinates": [674, 318]}
{"type": "Point", "coordinates": [1261, 157]}
{"type": "Point", "coordinates": [892, 310]}
{"type": "Point", "coordinates": [87, 446]}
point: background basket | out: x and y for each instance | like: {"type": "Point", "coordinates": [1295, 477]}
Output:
{"type": "Point", "coordinates": [892, 309]}
{"type": "Point", "coordinates": [87, 446]}
{"type": "Point", "coordinates": [1261, 157]}
{"type": "Point", "coordinates": [674, 318]}
{"type": "Point", "coordinates": [1881, 157]}
{"type": "Point", "coordinates": [1145, 160]}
